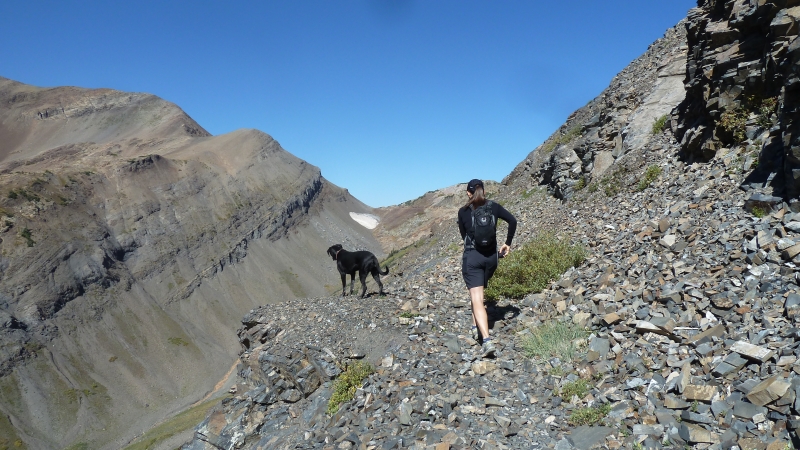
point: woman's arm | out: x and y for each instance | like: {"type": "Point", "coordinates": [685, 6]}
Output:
{"type": "Point", "coordinates": [502, 213]}
{"type": "Point", "coordinates": [461, 227]}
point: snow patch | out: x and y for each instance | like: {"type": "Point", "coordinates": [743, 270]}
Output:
{"type": "Point", "coordinates": [366, 220]}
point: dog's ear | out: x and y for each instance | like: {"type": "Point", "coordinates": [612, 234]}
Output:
{"type": "Point", "coordinates": [333, 249]}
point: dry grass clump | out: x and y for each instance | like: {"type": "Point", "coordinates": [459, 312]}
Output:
{"type": "Point", "coordinates": [554, 339]}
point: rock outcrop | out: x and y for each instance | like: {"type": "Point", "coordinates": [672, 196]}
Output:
{"type": "Point", "coordinates": [743, 88]}
{"type": "Point", "coordinates": [621, 118]}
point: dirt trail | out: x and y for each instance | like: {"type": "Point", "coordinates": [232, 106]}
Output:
{"type": "Point", "coordinates": [179, 438]}
{"type": "Point", "coordinates": [220, 385]}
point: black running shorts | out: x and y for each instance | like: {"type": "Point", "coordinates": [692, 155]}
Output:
{"type": "Point", "coordinates": [477, 268]}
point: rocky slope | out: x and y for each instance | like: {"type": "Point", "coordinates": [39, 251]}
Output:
{"type": "Point", "coordinates": [690, 295]}
{"type": "Point", "coordinates": [132, 243]}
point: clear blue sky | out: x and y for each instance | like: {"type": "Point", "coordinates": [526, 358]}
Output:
{"type": "Point", "coordinates": [389, 98]}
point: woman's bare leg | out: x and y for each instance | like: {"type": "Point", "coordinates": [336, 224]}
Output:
{"type": "Point", "coordinates": [479, 316]}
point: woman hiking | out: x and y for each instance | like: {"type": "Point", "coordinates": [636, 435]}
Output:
{"type": "Point", "coordinates": [477, 222]}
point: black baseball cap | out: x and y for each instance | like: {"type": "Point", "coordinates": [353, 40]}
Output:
{"type": "Point", "coordinates": [473, 184]}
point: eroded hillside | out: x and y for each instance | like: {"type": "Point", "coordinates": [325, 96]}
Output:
{"type": "Point", "coordinates": [132, 243]}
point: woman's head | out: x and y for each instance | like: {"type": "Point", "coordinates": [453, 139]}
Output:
{"type": "Point", "coordinates": [475, 192]}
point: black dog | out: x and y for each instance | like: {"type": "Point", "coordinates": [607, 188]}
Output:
{"type": "Point", "coordinates": [364, 262]}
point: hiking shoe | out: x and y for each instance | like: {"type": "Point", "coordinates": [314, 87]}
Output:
{"type": "Point", "coordinates": [487, 349]}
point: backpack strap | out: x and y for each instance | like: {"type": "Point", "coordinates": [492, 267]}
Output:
{"type": "Point", "coordinates": [467, 244]}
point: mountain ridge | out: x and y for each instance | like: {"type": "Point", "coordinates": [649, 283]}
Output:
{"type": "Point", "coordinates": [119, 224]}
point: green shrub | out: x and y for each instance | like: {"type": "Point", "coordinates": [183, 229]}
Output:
{"type": "Point", "coordinates": [580, 184]}
{"type": "Point", "coordinates": [589, 416]}
{"type": "Point", "coordinates": [764, 110]}
{"type": "Point", "coordinates": [344, 388]}
{"type": "Point", "coordinates": [30, 196]}
{"type": "Point", "coordinates": [611, 185]}
{"type": "Point", "coordinates": [554, 339]}
{"type": "Point", "coordinates": [734, 121]}
{"type": "Point", "coordinates": [759, 212]}
{"type": "Point", "coordinates": [571, 134]}
{"type": "Point", "coordinates": [578, 387]}
{"type": "Point", "coordinates": [650, 175]}
{"type": "Point", "coordinates": [395, 255]}
{"type": "Point", "coordinates": [26, 234]}
{"type": "Point", "coordinates": [180, 342]}
{"type": "Point", "coordinates": [658, 125]}
{"type": "Point", "coordinates": [565, 138]}
{"type": "Point", "coordinates": [533, 266]}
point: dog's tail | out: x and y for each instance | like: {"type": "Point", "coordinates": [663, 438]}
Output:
{"type": "Point", "coordinates": [385, 272]}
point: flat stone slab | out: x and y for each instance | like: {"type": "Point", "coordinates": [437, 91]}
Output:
{"type": "Point", "coordinates": [707, 335]}
{"type": "Point", "coordinates": [730, 365]}
{"type": "Point", "coordinates": [644, 326]}
{"type": "Point", "coordinates": [791, 252]}
{"type": "Point", "coordinates": [747, 410]}
{"type": "Point", "coordinates": [672, 402]}
{"type": "Point", "coordinates": [699, 393]}
{"type": "Point", "coordinates": [611, 319]}
{"type": "Point", "coordinates": [483, 367]}
{"type": "Point", "coordinates": [651, 430]}
{"type": "Point", "coordinates": [689, 416]}
{"type": "Point", "coordinates": [666, 324]}
{"type": "Point", "coordinates": [753, 352]}
{"type": "Point", "coordinates": [768, 391]}
{"type": "Point", "coordinates": [584, 437]}
{"type": "Point", "coordinates": [695, 434]}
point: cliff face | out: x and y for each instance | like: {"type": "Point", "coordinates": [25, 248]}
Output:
{"type": "Point", "coordinates": [743, 89]}
{"type": "Point", "coordinates": [132, 243]}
